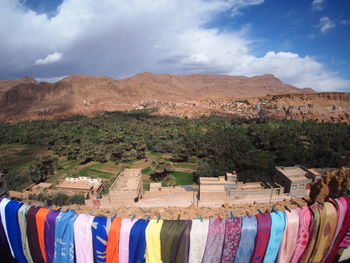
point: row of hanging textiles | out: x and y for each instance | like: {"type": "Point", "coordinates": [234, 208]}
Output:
{"type": "Point", "coordinates": [316, 233]}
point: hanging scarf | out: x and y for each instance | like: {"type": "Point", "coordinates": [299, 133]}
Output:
{"type": "Point", "coordinates": [153, 245]}
{"type": "Point", "coordinates": [342, 233]}
{"type": "Point", "coordinates": [112, 249]}
{"type": "Point", "coordinates": [49, 234]}
{"type": "Point", "coordinates": [246, 243]}
{"type": "Point", "coordinates": [127, 224]}
{"type": "Point", "coordinates": [83, 239]}
{"type": "Point", "coordinates": [64, 237]}
{"type": "Point", "coordinates": [278, 222]}
{"type": "Point", "coordinates": [22, 220]}
{"type": "Point", "coordinates": [172, 235]}
{"type": "Point", "coordinates": [215, 241]}
{"type": "Point", "coordinates": [305, 218]}
{"type": "Point", "coordinates": [33, 237]}
{"type": "Point", "coordinates": [290, 236]}
{"type": "Point", "coordinates": [14, 231]}
{"type": "Point", "coordinates": [262, 237]}
{"type": "Point", "coordinates": [137, 242]}
{"type": "Point", "coordinates": [3, 205]}
{"type": "Point", "coordinates": [198, 239]}
{"type": "Point", "coordinates": [329, 218]}
{"type": "Point", "coordinates": [99, 229]}
{"type": "Point", "coordinates": [314, 228]}
{"type": "Point", "coordinates": [341, 206]}
{"type": "Point", "coordinates": [232, 238]}
{"type": "Point", "coordinates": [5, 252]}
{"type": "Point", "coordinates": [40, 218]}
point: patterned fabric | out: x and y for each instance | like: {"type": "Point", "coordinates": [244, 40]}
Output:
{"type": "Point", "coordinates": [305, 218]}
{"type": "Point", "coordinates": [13, 230]}
{"type": "Point", "coordinates": [137, 243]}
{"type": "Point", "coordinates": [290, 236]}
{"type": "Point", "coordinates": [341, 207]}
{"type": "Point", "coordinates": [232, 238]}
{"type": "Point", "coordinates": [99, 229]}
{"type": "Point", "coordinates": [127, 224]}
{"type": "Point", "coordinates": [40, 218]}
{"type": "Point", "coordinates": [246, 243]}
{"type": "Point", "coordinates": [262, 237]}
{"type": "Point", "coordinates": [329, 219]}
{"type": "Point", "coordinates": [22, 220]}
{"type": "Point", "coordinates": [83, 239]}
{"type": "Point", "coordinates": [198, 239]}
{"type": "Point", "coordinates": [314, 227]}
{"type": "Point", "coordinates": [112, 250]}
{"type": "Point", "coordinates": [343, 230]}
{"type": "Point", "coordinates": [64, 237]}
{"type": "Point", "coordinates": [153, 246]}
{"type": "Point", "coordinates": [278, 222]}
{"type": "Point", "coordinates": [49, 235]}
{"type": "Point", "coordinates": [215, 241]}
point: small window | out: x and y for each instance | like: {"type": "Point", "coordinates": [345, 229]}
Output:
{"type": "Point", "coordinates": [302, 186]}
{"type": "Point", "coordinates": [294, 187]}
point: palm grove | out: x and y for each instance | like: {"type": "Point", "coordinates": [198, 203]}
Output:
{"type": "Point", "coordinates": [252, 147]}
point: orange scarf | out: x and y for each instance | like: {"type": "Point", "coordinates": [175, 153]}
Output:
{"type": "Point", "coordinates": [112, 250]}
{"type": "Point", "coordinates": [40, 218]}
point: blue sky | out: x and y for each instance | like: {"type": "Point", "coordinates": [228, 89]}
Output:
{"type": "Point", "coordinates": [294, 26]}
{"type": "Point", "coordinates": [303, 42]}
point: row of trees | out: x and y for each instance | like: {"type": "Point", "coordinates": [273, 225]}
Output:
{"type": "Point", "coordinates": [252, 147]}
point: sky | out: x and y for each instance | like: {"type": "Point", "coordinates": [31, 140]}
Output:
{"type": "Point", "coordinates": [303, 42]}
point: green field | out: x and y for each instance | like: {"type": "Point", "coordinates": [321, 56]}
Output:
{"type": "Point", "coordinates": [19, 157]}
{"type": "Point", "coordinates": [182, 178]}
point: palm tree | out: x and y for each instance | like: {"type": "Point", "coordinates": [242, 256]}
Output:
{"type": "Point", "coordinates": [161, 169]}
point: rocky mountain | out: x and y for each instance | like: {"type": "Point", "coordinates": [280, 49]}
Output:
{"type": "Point", "coordinates": [26, 98]}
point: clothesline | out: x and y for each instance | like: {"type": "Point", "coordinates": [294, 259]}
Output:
{"type": "Point", "coordinates": [318, 233]}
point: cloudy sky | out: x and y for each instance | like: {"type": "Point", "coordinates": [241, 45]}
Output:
{"type": "Point", "coordinates": [303, 42]}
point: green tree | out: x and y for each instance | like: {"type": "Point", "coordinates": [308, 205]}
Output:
{"type": "Point", "coordinates": [161, 169]}
{"type": "Point", "coordinates": [42, 168]}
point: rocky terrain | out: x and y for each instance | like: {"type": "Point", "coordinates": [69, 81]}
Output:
{"type": "Point", "coordinates": [325, 106]}
{"type": "Point", "coordinates": [80, 94]}
{"type": "Point", "coordinates": [334, 183]}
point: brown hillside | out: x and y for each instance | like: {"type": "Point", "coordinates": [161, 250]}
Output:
{"type": "Point", "coordinates": [81, 94]}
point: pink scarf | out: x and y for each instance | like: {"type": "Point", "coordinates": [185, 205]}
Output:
{"type": "Point", "coordinates": [290, 236]}
{"type": "Point", "coordinates": [305, 217]}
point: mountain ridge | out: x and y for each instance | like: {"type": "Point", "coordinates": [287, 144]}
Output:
{"type": "Point", "coordinates": [27, 98]}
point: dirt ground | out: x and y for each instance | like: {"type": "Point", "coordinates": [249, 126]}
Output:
{"type": "Point", "coordinates": [191, 212]}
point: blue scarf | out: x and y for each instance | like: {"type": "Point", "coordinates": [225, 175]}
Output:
{"type": "Point", "coordinates": [14, 231]}
{"type": "Point", "coordinates": [99, 229]}
{"type": "Point", "coordinates": [64, 237]}
{"type": "Point", "coordinates": [277, 229]}
{"type": "Point", "coordinates": [246, 243]}
{"type": "Point", "coordinates": [137, 242]}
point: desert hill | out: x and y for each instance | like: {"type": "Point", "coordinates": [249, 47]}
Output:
{"type": "Point", "coordinates": [26, 98]}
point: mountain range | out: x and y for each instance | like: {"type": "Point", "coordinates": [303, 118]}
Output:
{"type": "Point", "coordinates": [27, 99]}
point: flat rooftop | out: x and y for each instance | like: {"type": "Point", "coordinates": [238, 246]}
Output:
{"type": "Point", "coordinates": [81, 185]}
{"type": "Point", "coordinates": [128, 180]}
{"type": "Point", "coordinates": [291, 171]}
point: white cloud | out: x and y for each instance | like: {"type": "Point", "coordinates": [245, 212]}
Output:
{"type": "Point", "coordinates": [318, 5]}
{"type": "Point", "coordinates": [326, 24]}
{"type": "Point", "coordinates": [49, 59]}
{"type": "Point", "coordinates": [122, 38]}
{"type": "Point", "coordinates": [345, 22]}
